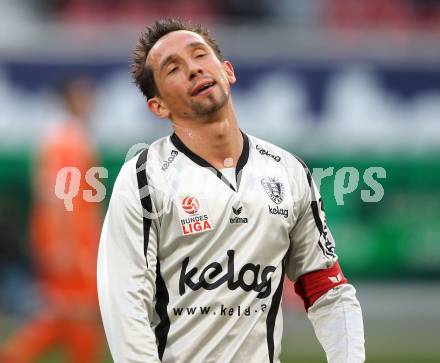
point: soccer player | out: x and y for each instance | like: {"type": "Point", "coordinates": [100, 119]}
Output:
{"type": "Point", "coordinates": [64, 245]}
{"type": "Point", "coordinates": [203, 226]}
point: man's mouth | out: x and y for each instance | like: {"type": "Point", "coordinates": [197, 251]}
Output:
{"type": "Point", "coordinates": [202, 87]}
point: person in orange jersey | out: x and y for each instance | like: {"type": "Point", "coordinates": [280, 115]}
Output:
{"type": "Point", "coordinates": [64, 245]}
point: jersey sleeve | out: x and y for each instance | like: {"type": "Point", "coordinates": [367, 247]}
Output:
{"type": "Point", "coordinates": [311, 261]}
{"type": "Point", "coordinates": [312, 247]}
{"type": "Point", "coordinates": [331, 303]}
{"type": "Point", "coordinates": [126, 280]}
{"type": "Point", "coordinates": [337, 321]}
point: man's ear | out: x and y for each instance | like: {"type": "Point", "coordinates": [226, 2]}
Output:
{"type": "Point", "coordinates": [230, 72]}
{"type": "Point", "coordinates": [158, 107]}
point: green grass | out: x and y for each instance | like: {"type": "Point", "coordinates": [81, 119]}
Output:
{"type": "Point", "coordinates": [376, 359]}
{"type": "Point", "coordinates": [57, 357]}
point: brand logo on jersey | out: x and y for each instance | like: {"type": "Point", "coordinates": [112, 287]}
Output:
{"type": "Point", "coordinates": [167, 163]}
{"type": "Point", "coordinates": [207, 277]}
{"type": "Point", "coordinates": [278, 210]}
{"type": "Point", "coordinates": [265, 152]}
{"type": "Point", "coordinates": [335, 279]}
{"type": "Point", "coordinates": [196, 222]}
{"type": "Point", "coordinates": [190, 205]}
{"type": "Point", "coordinates": [236, 219]}
{"type": "Point", "coordinates": [274, 189]}
{"type": "Point", "coordinates": [237, 211]}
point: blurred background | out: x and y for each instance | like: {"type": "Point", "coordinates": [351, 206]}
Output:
{"type": "Point", "coordinates": [340, 83]}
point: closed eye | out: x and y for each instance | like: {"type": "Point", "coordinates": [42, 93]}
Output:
{"type": "Point", "coordinates": [172, 70]}
{"type": "Point", "coordinates": [200, 55]}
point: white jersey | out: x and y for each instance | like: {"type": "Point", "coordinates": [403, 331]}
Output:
{"type": "Point", "coordinates": [191, 263]}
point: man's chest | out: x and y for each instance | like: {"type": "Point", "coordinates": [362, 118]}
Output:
{"type": "Point", "coordinates": [202, 211]}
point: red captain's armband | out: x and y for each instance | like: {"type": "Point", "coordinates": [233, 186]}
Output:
{"type": "Point", "coordinates": [311, 286]}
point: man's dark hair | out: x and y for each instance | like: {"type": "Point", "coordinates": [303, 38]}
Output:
{"type": "Point", "coordinates": [140, 71]}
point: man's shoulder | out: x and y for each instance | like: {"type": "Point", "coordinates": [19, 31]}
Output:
{"type": "Point", "coordinates": [139, 159]}
{"type": "Point", "coordinates": [276, 153]}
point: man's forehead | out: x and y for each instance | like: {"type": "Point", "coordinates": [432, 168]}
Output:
{"type": "Point", "coordinates": [171, 43]}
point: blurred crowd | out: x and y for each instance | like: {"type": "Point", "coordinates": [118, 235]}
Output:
{"type": "Point", "coordinates": [401, 14]}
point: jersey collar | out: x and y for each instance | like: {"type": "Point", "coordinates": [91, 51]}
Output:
{"type": "Point", "coordinates": [202, 162]}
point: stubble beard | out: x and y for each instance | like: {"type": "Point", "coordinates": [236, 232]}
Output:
{"type": "Point", "coordinates": [210, 105]}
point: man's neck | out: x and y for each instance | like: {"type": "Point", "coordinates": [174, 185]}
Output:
{"type": "Point", "coordinates": [219, 142]}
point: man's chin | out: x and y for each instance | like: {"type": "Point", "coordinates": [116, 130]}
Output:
{"type": "Point", "coordinates": [204, 109]}
{"type": "Point", "coordinates": [207, 111]}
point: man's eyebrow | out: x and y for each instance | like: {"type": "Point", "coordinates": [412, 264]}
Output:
{"type": "Point", "coordinates": [171, 57]}
{"type": "Point", "coordinates": [167, 60]}
{"type": "Point", "coordinates": [195, 45]}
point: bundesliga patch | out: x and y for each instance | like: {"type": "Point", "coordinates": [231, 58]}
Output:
{"type": "Point", "coordinates": [194, 216]}
{"type": "Point", "coordinates": [274, 189]}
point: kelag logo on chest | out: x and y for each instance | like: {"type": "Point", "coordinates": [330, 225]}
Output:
{"type": "Point", "coordinates": [213, 276]}
{"type": "Point", "coordinates": [195, 219]}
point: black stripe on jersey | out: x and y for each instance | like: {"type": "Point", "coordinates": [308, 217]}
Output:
{"type": "Point", "coordinates": [144, 196]}
{"type": "Point", "coordinates": [162, 296]}
{"type": "Point", "coordinates": [162, 300]}
{"type": "Point", "coordinates": [242, 161]}
{"type": "Point", "coordinates": [202, 162]}
{"type": "Point", "coordinates": [184, 149]}
{"type": "Point", "coordinates": [306, 169]}
{"type": "Point", "coordinates": [315, 210]}
{"type": "Point", "coordinates": [272, 314]}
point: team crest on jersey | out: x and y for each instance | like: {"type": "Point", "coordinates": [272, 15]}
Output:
{"type": "Point", "coordinates": [196, 220]}
{"type": "Point", "coordinates": [274, 189]}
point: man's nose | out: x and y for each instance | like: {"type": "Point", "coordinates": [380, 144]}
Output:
{"type": "Point", "coordinates": [194, 70]}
